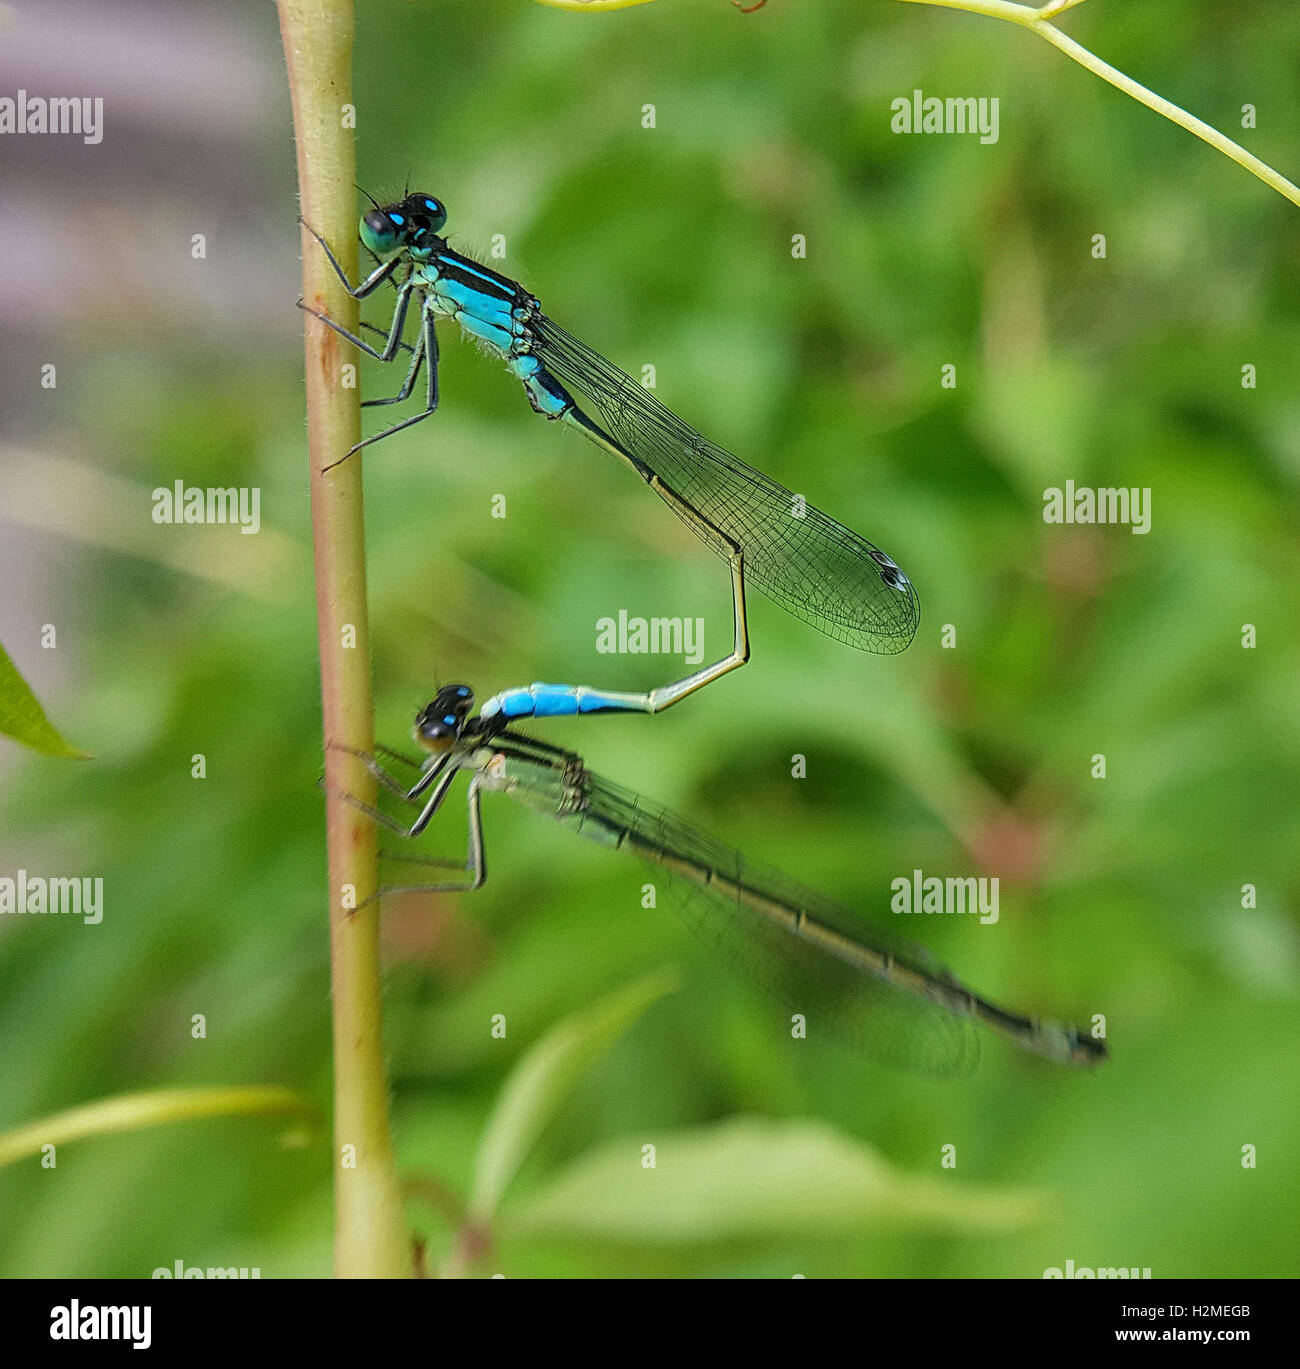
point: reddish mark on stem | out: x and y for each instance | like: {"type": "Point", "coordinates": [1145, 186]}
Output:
{"type": "Point", "coordinates": [749, 9]}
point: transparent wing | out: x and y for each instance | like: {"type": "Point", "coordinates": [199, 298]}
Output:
{"type": "Point", "coordinates": [813, 566]}
{"type": "Point", "coordinates": [722, 896]}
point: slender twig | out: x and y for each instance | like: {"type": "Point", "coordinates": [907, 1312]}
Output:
{"type": "Point", "coordinates": [371, 1237]}
{"type": "Point", "coordinates": [1035, 20]}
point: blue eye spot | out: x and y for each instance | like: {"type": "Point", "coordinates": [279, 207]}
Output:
{"type": "Point", "coordinates": [397, 218]}
{"type": "Point", "coordinates": [462, 691]}
{"type": "Point", "coordinates": [449, 720]}
{"type": "Point", "coordinates": [429, 204]}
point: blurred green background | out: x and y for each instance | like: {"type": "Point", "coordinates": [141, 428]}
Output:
{"type": "Point", "coordinates": [671, 247]}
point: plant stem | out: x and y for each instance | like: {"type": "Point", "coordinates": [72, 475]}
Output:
{"type": "Point", "coordinates": [371, 1238]}
{"type": "Point", "coordinates": [1028, 17]}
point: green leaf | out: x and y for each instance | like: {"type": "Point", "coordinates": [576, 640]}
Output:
{"type": "Point", "coordinates": [593, 5]}
{"type": "Point", "coordinates": [545, 1077]}
{"type": "Point", "coordinates": [23, 719]}
{"type": "Point", "coordinates": [752, 1178]}
{"type": "Point", "coordinates": [132, 1111]}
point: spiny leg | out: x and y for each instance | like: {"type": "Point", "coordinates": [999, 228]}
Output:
{"type": "Point", "coordinates": [382, 272]}
{"type": "Point", "coordinates": [429, 862]}
{"type": "Point", "coordinates": [378, 437]}
{"type": "Point", "coordinates": [417, 360]}
{"type": "Point", "coordinates": [378, 261]}
{"type": "Point", "coordinates": [374, 814]}
{"type": "Point", "coordinates": [382, 750]}
{"type": "Point", "coordinates": [427, 777]}
{"type": "Point", "coordinates": [435, 799]}
{"type": "Point", "coordinates": [429, 346]}
{"type": "Point", "coordinates": [392, 785]}
{"type": "Point", "coordinates": [430, 331]}
{"type": "Point", "coordinates": [383, 332]}
{"type": "Point", "coordinates": [475, 860]}
{"type": "Point", "coordinates": [394, 332]}
{"type": "Point", "coordinates": [442, 772]}
{"type": "Point", "coordinates": [371, 283]}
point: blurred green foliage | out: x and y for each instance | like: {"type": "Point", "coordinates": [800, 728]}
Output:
{"type": "Point", "coordinates": [671, 247]}
{"type": "Point", "coordinates": [23, 718]}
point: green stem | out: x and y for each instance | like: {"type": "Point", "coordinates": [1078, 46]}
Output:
{"type": "Point", "coordinates": [371, 1238]}
{"type": "Point", "coordinates": [1026, 16]}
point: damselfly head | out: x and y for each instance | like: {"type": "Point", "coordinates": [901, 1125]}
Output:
{"type": "Point", "coordinates": [439, 723]}
{"type": "Point", "coordinates": [409, 224]}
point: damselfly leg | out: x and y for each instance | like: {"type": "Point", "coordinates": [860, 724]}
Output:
{"type": "Point", "coordinates": [441, 777]}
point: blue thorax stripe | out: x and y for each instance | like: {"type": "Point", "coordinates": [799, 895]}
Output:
{"type": "Point", "coordinates": [452, 266]}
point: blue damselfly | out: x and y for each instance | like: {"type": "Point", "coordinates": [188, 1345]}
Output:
{"type": "Point", "coordinates": [848, 977]}
{"type": "Point", "coordinates": [810, 564]}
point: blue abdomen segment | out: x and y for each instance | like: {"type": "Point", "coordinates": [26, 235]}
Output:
{"type": "Point", "coordinates": [545, 393]}
{"type": "Point", "coordinates": [555, 701]}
